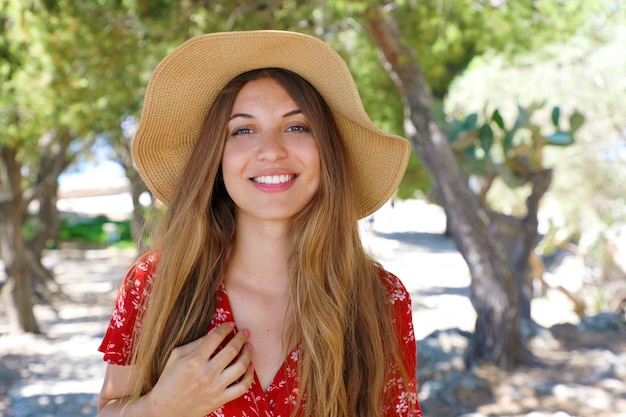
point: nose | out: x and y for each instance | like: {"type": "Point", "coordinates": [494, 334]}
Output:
{"type": "Point", "coordinates": [271, 148]}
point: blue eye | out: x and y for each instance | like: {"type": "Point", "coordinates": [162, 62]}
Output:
{"type": "Point", "coordinates": [298, 128]}
{"type": "Point", "coordinates": [241, 131]}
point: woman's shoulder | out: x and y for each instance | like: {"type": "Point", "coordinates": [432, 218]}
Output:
{"type": "Point", "coordinates": [395, 287]}
{"type": "Point", "coordinates": [129, 305]}
{"type": "Point", "coordinates": [141, 273]}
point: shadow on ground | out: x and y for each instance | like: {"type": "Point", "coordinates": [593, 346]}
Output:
{"type": "Point", "coordinates": [574, 371]}
{"type": "Point", "coordinates": [55, 406]}
{"type": "Point", "coordinates": [426, 242]}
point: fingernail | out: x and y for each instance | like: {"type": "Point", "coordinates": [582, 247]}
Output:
{"type": "Point", "coordinates": [249, 346]}
{"type": "Point", "coordinates": [251, 367]}
{"type": "Point", "coordinates": [246, 332]}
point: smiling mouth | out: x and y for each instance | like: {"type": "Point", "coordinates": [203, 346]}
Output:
{"type": "Point", "coordinates": [273, 179]}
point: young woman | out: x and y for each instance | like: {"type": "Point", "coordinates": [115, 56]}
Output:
{"type": "Point", "coordinates": [258, 298]}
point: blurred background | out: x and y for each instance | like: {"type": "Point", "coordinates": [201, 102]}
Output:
{"type": "Point", "coordinates": [521, 208]}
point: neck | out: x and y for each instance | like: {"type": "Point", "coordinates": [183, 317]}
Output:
{"type": "Point", "coordinates": [259, 259]}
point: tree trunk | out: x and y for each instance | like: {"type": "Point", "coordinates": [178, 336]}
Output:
{"type": "Point", "coordinates": [54, 158]}
{"type": "Point", "coordinates": [12, 243]}
{"type": "Point", "coordinates": [519, 237]}
{"type": "Point", "coordinates": [497, 335]}
{"type": "Point", "coordinates": [47, 229]}
{"type": "Point", "coordinates": [122, 154]}
{"type": "Point", "coordinates": [137, 187]}
{"type": "Point", "coordinates": [51, 165]}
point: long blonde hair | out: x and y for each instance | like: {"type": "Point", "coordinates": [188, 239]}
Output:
{"type": "Point", "coordinates": [342, 317]}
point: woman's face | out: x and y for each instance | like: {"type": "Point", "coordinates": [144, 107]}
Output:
{"type": "Point", "coordinates": [270, 164]}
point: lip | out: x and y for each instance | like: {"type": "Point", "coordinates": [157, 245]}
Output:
{"type": "Point", "coordinates": [274, 180]}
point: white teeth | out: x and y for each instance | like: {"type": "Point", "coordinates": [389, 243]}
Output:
{"type": "Point", "coordinates": [273, 179]}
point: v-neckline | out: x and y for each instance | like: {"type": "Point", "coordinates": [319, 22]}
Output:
{"type": "Point", "coordinates": [281, 373]}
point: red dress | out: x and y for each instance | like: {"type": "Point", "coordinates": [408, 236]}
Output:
{"type": "Point", "coordinates": [280, 398]}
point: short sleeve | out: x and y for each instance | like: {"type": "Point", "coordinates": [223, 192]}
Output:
{"type": "Point", "coordinates": [402, 396]}
{"type": "Point", "coordinates": [130, 304]}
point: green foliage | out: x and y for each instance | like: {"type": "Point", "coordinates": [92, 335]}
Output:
{"type": "Point", "coordinates": [586, 196]}
{"type": "Point", "coordinates": [489, 148]}
{"type": "Point", "coordinates": [80, 67]}
{"type": "Point", "coordinates": [99, 231]}
{"type": "Point", "coordinates": [447, 35]}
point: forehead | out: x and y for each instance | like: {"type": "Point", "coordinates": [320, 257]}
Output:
{"type": "Point", "coordinates": [263, 89]}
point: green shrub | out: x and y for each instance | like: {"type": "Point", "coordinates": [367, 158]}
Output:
{"type": "Point", "coordinates": [99, 231]}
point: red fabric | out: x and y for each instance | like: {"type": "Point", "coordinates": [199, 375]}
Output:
{"type": "Point", "coordinates": [279, 400]}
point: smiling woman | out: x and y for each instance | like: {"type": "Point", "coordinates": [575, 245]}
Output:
{"type": "Point", "coordinates": [258, 297]}
{"type": "Point", "coordinates": [270, 164]}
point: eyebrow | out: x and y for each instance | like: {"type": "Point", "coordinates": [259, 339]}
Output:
{"type": "Point", "coordinates": [249, 116]}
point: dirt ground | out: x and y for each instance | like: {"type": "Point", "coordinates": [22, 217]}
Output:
{"type": "Point", "coordinates": [59, 372]}
{"type": "Point", "coordinates": [571, 375]}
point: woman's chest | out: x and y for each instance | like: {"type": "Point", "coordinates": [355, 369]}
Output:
{"type": "Point", "coordinates": [268, 320]}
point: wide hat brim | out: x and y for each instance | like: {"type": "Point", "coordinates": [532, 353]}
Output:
{"type": "Point", "coordinates": [185, 83]}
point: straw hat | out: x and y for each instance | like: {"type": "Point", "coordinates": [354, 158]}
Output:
{"type": "Point", "coordinates": [185, 83]}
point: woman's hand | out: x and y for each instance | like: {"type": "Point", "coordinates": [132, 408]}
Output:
{"type": "Point", "coordinates": [195, 381]}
